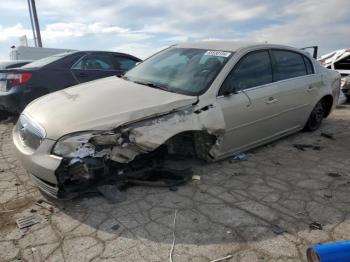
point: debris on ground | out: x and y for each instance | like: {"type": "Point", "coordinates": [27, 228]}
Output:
{"type": "Point", "coordinates": [303, 147]}
{"type": "Point", "coordinates": [328, 135]}
{"type": "Point", "coordinates": [315, 226]}
{"type": "Point", "coordinates": [278, 230]}
{"type": "Point", "coordinates": [115, 227]}
{"type": "Point", "coordinates": [196, 177]}
{"type": "Point", "coordinates": [112, 193]}
{"type": "Point", "coordinates": [163, 177]}
{"type": "Point", "coordinates": [334, 174]}
{"type": "Point", "coordinates": [45, 205]}
{"type": "Point", "coordinates": [174, 238]}
{"type": "Point", "coordinates": [173, 188]}
{"type": "Point", "coordinates": [222, 259]}
{"type": "Point", "coordinates": [240, 157]}
{"type": "Point", "coordinates": [7, 211]}
{"type": "Point", "coordinates": [28, 221]}
{"type": "Point", "coordinates": [239, 174]}
{"type": "Point", "coordinates": [327, 196]}
{"type": "Point", "coordinates": [2, 170]}
{"type": "Point", "coordinates": [346, 183]}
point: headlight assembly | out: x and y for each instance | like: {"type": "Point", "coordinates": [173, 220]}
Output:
{"type": "Point", "coordinates": [80, 145]}
{"type": "Point", "coordinates": [75, 145]}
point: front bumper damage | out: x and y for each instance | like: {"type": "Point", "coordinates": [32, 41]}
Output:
{"type": "Point", "coordinates": [134, 152]}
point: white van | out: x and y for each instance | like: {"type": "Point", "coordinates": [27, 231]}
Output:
{"type": "Point", "coordinates": [339, 60]}
{"type": "Point", "coordinates": [34, 53]}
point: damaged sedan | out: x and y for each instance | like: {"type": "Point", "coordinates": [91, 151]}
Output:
{"type": "Point", "coordinates": [206, 100]}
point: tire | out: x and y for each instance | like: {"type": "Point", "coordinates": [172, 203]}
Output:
{"type": "Point", "coordinates": [3, 115]}
{"type": "Point", "coordinates": [347, 98]}
{"type": "Point", "coordinates": [315, 118]}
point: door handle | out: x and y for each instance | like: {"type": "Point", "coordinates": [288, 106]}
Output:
{"type": "Point", "coordinates": [310, 88]}
{"type": "Point", "coordinates": [271, 100]}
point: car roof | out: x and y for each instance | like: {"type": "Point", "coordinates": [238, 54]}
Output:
{"type": "Point", "coordinates": [107, 52]}
{"type": "Point", "coordinates": [231, 46]}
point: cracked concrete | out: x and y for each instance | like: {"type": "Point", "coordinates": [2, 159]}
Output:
{"type": "Point", "coordinates": [256, 210]}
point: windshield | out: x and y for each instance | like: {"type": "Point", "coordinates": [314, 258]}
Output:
{"type": "Point", "coordinates": [182, 70]}
{"type": "Point", "coordinates": [45, 61]}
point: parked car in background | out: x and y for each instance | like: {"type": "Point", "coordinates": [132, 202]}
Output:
{"type": "Point", "coordinates": [13, 64]}
{"type": "Point", "coordinates": [339, 60]}
{"type": "Point", "coordinates": [207, 100]}
{"type": "Point", "coordinates": [345, 86]}
{"type": "Point", "coordinates": [20, 86]}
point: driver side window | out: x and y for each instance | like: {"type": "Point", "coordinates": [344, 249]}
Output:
{"type": "Point", "coordinates": [252, 70]}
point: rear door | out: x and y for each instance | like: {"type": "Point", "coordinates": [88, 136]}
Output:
{"type": "Point", "coordinates": [249, 104]}
{"type": "Point", "coordinates": [297, 86]}
{"type": "Point", "coordinates": [94, 66]}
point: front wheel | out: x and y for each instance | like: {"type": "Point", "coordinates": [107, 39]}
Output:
{"type": "Point", "coordinates": [315, 118]}
{"type": "Point", "coordinates": [3, 115]}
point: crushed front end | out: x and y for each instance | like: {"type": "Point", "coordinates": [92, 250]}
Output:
{"type": "Point", "coordinates": [82, 161]}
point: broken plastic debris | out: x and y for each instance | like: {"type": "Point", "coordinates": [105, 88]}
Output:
{"type": "Point", "coordinates": [302, 147]}
{"type": "Point", "coordinates": [196, 177]}
{"type": "Point", "coordinates": [222, 259]}
{"type": "Point", "coordinates": [28, 221]}
{"type": "Point", "coordinates": [315, 226]}
{"type": "Point", "coordinates": [173, 188]}
{"type": "Point", "coordinates": [115, 227]}
{"type": "Point", "coordinates": [328, 196]}
{"type": "Point", "coordinates": [240, 157]}
{"type": "Point", "coordinates": [333, 174]}
{"type": "Point", "coordinates": [327, 135]}
{"type": "Point", "coordinates": [112, 193]}
{"type": "Point", "coordinates": [278, 230]}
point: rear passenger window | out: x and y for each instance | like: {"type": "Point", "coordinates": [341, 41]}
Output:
{"type": "Point", "coordinates": [94, 62]}
{"type": "Point", "coordinates": [252, 70]}
{"type": "Point", "coordinates": [124, 63]}
{"type": "Point", "coordinates": [309, 67]}
{"type": "Point", "coordinates": [288, 64]}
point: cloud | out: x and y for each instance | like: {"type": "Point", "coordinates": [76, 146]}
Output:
{"type": "Point", "coordinates": [323, 23]}
{"type": "Point", "coordinates": [13, 31]}
{"type": "Point", "coordinates": [144, 26]}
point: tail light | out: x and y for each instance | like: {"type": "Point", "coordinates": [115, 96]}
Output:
{"type": "Point", "coordinates": [18, 78]}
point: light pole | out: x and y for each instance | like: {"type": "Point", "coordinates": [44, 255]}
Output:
{"type": "Point", "coordinates": [35, 23]}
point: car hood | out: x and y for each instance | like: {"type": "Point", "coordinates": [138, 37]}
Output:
{"type": "Point", "coordinates": [101, 105]}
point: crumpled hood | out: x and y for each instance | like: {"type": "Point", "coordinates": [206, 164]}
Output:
{"type": "Point", "coordinates": [101, 105]}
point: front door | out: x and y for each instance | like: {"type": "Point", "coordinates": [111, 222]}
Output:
{"type": "Point", "coordinates": [249, 104]}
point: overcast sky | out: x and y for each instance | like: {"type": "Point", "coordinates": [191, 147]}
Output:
{"type": "Point", "coordinates": [141, 27]}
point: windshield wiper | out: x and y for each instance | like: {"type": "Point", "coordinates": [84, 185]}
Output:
{"type": "Point", "coordinates": [153, 85]}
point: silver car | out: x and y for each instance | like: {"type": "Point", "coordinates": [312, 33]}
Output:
{"type": "Point", "coordinates": [207, 100]}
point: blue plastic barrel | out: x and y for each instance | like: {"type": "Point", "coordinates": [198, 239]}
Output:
{"type": "Point", "coordinates": [329, 252]}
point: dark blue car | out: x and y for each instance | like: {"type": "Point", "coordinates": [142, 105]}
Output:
{"type": "Point", "coordinates": [20, 86]}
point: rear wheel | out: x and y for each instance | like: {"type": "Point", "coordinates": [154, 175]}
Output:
{"type": "Point", "coordinates": [316, 117]}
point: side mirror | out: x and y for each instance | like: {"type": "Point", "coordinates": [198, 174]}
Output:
{"type": "Point", "coordinates": [229, 91]}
